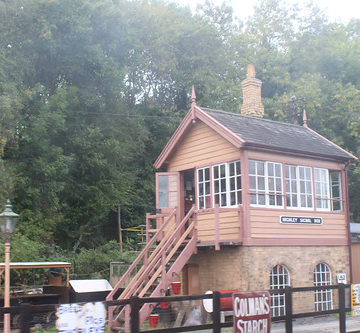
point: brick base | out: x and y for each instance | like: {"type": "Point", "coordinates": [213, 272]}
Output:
{"type": "Point", "coordinates": [248, 268]}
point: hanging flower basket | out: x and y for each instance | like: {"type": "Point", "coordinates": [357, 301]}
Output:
{"type": "Point", "coordinates": [176, 287]}
{"type": "Point", "coordinates": [154, 320]}
{"type": "Point", "coordinates": [164, 305]}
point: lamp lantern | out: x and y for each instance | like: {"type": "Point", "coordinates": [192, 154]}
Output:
{"type": "Point", "coordinates": [8, 220]}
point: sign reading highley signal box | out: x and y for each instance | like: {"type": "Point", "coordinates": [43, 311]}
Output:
{"type": "Point", "coordinates": [252, 312]}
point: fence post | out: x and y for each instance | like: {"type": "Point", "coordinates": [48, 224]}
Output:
{"type": "Point", "coordinates": [342, 312]}
{"type": "Point", "coordinates": [134, 315]}
{"type": "Point", "coordinates": [288, 309]}
{"type": "Point", "coordinates": [216, 312]}
{"type": "Point", "coordinates": [25, 317]}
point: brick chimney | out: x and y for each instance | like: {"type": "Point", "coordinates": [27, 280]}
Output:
{"type": "Point", "coordinates": [251, 87]}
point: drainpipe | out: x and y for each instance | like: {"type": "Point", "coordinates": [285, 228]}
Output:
{"type": "Point", "coordinates": [348, 217]}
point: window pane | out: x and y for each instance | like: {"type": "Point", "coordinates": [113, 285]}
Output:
{"type": "Point", "coordinates": [261, 199]}
{"type": "Point", "coordinates": [253, 199]}
{"type": "Point", "coordinates": [238, 182]}
{"type": "Point", "coordinates": [163, 200]}
{"type": "Point", "coordinates": [201, 190]}
{"type": "Point", "coordinates": [232, 199]}
{"type": "Point", "coordinates": [223, 185]}
{"type": "Point", "coordinates": [216, 172]}
{"type": "Point", "coordinates": [277, 170]}
{"type": "Point", "coordinates": [261, 183]}
{"type": "Point", "coordinates": [270, 170]}
{"type": "Point", "coordinates": [231, 169]}
{"type": "Point", "coordinates": [163, 181]}
{"type": "Point", "coordinates": [239, 200]}
{"type": "Point", "coordinates": [207, 188]}
{"type": "Point", "coordinates": [271, 184]}
{"type": "Point", "coordinates": [301, 171]}
{"type": "Point", "coordinates": [252, 167]}
{"type": "Point", "coordinates": [238, 170]}
{"type": "Point", "coordinates": [252, 183]}
{"type": "Point", "coordinates": [223, 199]}
{"type": "Point", "coordinates": [232, 184]}
{"type": "Point", "coordinates": [207, 173]}
{"type": "Point", "coordinates": [222, 170]}
{"type": "Point", "coordinates": [260, 168]}
{"type": "Point", "coordinates": [216, 186]}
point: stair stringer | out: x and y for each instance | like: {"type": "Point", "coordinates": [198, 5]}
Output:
{"type": "Point", "coordinates": [173, 272]}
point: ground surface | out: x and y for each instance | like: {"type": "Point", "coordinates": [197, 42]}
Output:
{"type": "Point", "coordinates": [328, 324]}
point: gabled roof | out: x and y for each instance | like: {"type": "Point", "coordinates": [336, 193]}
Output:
{"type": "Point", "coordinates": [257, 133]}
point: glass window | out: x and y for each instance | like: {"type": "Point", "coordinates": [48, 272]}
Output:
{"type": "Point", "coordinates": [298, 185]}
{"type": "Point", "coordinates": [220, 185]}
{"type": "Point", "coordinates": [163, 191]}
{"type": "Point", "coordinates": [279, 278]}
{"type": "Point", "coordinates": [265, 183]}
{"type": "Point", "coordinates": [235, 183]}
{"type": "Point", "coordinates": [322, 194]}
{"type": "Point", "coordinates": [203, 182]}
{"type": "Point", "coordinates": [323, 298]}
{"type": "Point", "coordinates": [335, 190]}
{"type": "Point", "coordinates": [227, 184]}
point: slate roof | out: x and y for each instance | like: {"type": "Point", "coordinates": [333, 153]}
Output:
{"type": "Point", "coordinates": [274, 135]}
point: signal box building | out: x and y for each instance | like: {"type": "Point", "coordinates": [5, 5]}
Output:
{"type": "Point", "coordinates": [257, 204]}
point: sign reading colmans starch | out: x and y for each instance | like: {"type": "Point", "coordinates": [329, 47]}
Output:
{"type": "Point", "coordinates": [252, 312]}
{"type": "Point", "coordinates": [300, 220]}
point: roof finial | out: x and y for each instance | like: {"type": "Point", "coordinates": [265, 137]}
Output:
{"type": "Point", "coordinates": [304, 118]}
{"type": "Point", "coordinates": [193, 96]}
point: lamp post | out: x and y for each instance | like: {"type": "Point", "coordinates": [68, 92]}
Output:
{"type": "Point", "coordinates": [8, 221]}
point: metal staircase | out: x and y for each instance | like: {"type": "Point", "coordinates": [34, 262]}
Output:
{"type": "Point", "coordinates": [163, 257]}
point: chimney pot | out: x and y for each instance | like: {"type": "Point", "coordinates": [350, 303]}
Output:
{"type": "Point", "coordinates": [250, 70]}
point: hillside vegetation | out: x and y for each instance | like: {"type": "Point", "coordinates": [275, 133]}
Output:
{"type": "Point", "coordinates": [90, 92]}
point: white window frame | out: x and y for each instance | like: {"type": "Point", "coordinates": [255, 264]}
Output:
{"type": "Point", "coordinates": [279, 279]}
{"type": "Point", "coordinates": [303, 189]}
{"type": "Point", "coordinates": [332, 185]}
{"type": "Point", "coordinates": [202, 185]}
{"type": "Point", "coordinates": [224, 184]}
{"type": "Point", "coordinates": [322, 277]}
{"type": "Point", "coordinates": [267, 192]}
{"type": "Point", "coordinates": [322, 189]}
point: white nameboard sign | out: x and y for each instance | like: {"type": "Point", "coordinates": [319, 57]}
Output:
{"type": "Point", "coordinates": [81, 317]}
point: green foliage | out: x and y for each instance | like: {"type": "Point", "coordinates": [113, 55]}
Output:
{"type": "Point", "coordinates": [90, 92]}
{"type": "Point", "coordinates": [100, 259]}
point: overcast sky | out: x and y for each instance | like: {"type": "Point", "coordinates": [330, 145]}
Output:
{"type": "Point", "coordinates": [336, 10]}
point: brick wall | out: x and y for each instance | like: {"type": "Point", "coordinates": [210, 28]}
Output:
{"type": "Point", "coordinates": [251, 88]}
{"type": "Point", "coordinates": [248, 268]}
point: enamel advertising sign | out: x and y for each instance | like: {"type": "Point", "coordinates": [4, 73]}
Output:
{"type": "Point", "coordinates": [252, 312]}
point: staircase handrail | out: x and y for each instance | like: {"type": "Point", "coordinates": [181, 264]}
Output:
{"type": "Point", "coordinates": [126, 293]}
{"type": "Point", "coordinates": [157, 259]}
{"type": "Point", "coordinates": [140, 256]}
{"type": "Point", "coordinates": [167, 259]}
{"type": "Point", "coordinates": [150, 263]}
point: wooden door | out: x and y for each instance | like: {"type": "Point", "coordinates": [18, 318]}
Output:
{"type": "Point", "coordinates": [167, 191]}
{"type": "Point", "coordinates": [191, 279]}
